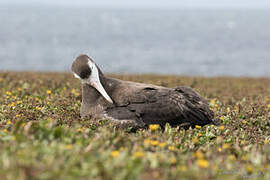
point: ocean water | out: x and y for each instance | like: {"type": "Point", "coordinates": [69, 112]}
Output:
{"type": "Point", "coordinates": [186, 42]}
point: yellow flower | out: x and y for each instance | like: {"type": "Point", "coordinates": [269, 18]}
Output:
{"type": "Point", "coordinates": [173, 160]}
{"type": "Point", "coordinates": [249, 169]}
{"type": "Point", "coordinates": [213, 101]}
{"type": "Point", "coordinates": [11, 104]}
{"type": "Point", "coordinates": [153, 127]}
{"type": "Point", "coordinates": [183, 168]}
{"type": "Point", "coordinates": [198, 154]}
{"type": "Point", "coordinates": [171, 148]}
{"type": "Point", "coordinates": [195, 140]}
{"type": "Point", "coordinates": [198, 127]}
{"type": "Point", "coordinates": [138, 154]}
{"type": "Point", "coordinates": [244, 122]}
{"type": "Point", "coordinates": [221, 128]}
{"type": "Point", "coordinates": [23, 124]}
{"type": "Point", "coordinates": [73, 91]}
{"type": "Point", "coordinates": [5, 130]}
{"type": "Point", "coordinates": [225, 146]}
{"type": "Point", "coordinates": [19, 102]}
{"type": "Point", "coordinates": [8, 93]}
{"type": "Point", "coordinates": [203, 163]}
{"type": "Point", "coordinates": [80, 130]}
{"type": "Point", "coordinates": [163, 144]}
{"type": "Point", "coordinates": [232, 157]}
{"type": "Point", "coordinates": [219, 149]}
{"type": "Point", "coordinates": [146, 142]}
{"type": "Point", "coordinates": [9, 122]}
{"type": "Point", "coordinates": [48, 91]}
{"type": "Point", "coordinates": [19, 89]}
{"type": "Point", "coordinates": [38, 108]}
{"type": "Point", "coordinates": [199, 134]}
{"type": "Point", "coordinates": [268, 105]}
{"type": "Point", "coordinates": [69, 146]}
{"type": "Point", "coordinates": [115, 153]}
{"type": "Point", "coordinates": [153, 142]}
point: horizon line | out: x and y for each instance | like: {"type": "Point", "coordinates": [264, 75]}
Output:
{"type": "Point", "coordinates": [212, 7]}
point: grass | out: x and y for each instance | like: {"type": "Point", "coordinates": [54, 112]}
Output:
{"type": "Point", "coordinates": [43, 137]}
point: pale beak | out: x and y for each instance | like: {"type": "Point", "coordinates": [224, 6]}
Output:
{"type": "Point", "coordinates": [100, 88]}
{"type": "Point", "coordinates": [94, 81]}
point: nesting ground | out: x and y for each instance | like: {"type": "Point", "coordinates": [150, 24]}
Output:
{"type": "Point", "coordinates": [43, 137]}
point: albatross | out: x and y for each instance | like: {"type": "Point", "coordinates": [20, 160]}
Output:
{"type": "Point", "coordinates": [136, 105]}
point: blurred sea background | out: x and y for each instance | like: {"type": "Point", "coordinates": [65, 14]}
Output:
{"type": "Point", "coordinates": [191, 41]}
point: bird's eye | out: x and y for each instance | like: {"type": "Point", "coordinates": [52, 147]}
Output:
{"type": "Point", "coordinates": [85, 73]}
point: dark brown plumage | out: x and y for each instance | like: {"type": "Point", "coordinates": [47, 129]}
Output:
{"type": "Point", "coordinates": [137, 104]}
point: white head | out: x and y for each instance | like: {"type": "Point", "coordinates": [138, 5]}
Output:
{"type": "Point", "coordinates": [86, 70]}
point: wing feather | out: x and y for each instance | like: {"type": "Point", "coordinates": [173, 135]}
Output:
{"type": "Point", "coordinates": [181, 105]}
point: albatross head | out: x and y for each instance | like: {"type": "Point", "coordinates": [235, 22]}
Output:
{"type": "Point", "coordinates": [87, 71]}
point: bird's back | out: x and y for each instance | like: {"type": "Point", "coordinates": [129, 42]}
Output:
{"type": "Point", "coordinates": [149, 104]}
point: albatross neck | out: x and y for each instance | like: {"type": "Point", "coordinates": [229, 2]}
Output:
{"type": "Point", "coordinates": [90, 95]}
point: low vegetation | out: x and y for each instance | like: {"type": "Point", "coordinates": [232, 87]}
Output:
{"type": "Point", "coordinates": [43, 137]}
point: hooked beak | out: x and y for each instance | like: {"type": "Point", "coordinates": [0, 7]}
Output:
{"type": "Point", "coordinates": [94, 81]}
{"type": "Point", "coordinates": [98, 86]}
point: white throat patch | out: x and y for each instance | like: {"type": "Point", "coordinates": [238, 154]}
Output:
{"type": "Point", "coordinates": [94, 81]}
{"type": "Point", "coordinates": [94, 77]}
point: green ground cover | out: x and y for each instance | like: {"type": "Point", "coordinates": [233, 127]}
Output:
{"type": "Point", "coordinates": [43, 137]}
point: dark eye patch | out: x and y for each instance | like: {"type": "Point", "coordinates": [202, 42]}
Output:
{"type": "Point", "coordinates": [85, 72]}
